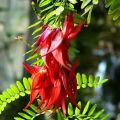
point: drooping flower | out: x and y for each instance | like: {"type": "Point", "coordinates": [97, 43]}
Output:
{"type": "Point", "coordinates": [52, 86]}
{"type": "Point", "coordinates": [56, 80]}
{"type": "Point", "coordinates": [57, 42]}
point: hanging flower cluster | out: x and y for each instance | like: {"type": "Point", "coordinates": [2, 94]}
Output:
{"type": "Point", "coordinates": [56, 79]}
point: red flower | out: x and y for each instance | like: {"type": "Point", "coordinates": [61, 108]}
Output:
{"type": "Point", "coordinates": [57, 42]}
{"type": "Point", "coordinates": [52, 86]}
{"type": "Point", "coordinates": [56, 80]}
{"type": "Point", "coordinates": [48, 87]}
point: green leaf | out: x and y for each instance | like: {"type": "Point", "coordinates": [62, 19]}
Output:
{"type": "Point", "coordinates": [77, 111]}
{"type": "Point", "coordinates": [47, 8]}
{"type": "Point", "coordinates": [18, 118]}
{"type": "Point", "coordinates": [33, 25]}
{"type": "Point", "coordinates": [98, 113]}
{"type": "Point", "coordinates": [30, 81]}
{"type": "Point", "coordinates": [10, 92]}
{"type": "Point", "coordinates": [95, 2]}
{"type": "Point", "coordinates": [22, 94]}
{"type": "Point", "coordinates": [13, 93]}
{"type": "Point", "coordinates": [84, 80]}
{"type": "Point", "coordinates": [79, 81]}
{"type": "Point", "coordinates": [32, 57]}
{"type": "Point", "coordinates": [37, 30]}
{"type": "Point", "coordinates": [96, 81]}
{"type": "Point", "coordinates": [90, 80]}
{"type": "Point", "coordinates": [6, 94]}
{"type": "Point", "coordinates": [103, 81]}
{"type": "Point", "coordinates": [33, 107]}
{"type": "Point", "coordinates": [1, 102]}
{"type": "Point", "coordinates": [71, 6]}
{"type": "Point", "coordinates": [108, 3]}
{"type": "Point", "coordinates": [85, 3]}
{"type": "Point", "coordinates": [26, 83]}
{"type": "Point", "coordinates": [114, 6]}
{"type": "Point", "coordinates": [59, 10]}
{"type": "Point", "coordinates": [20, 86]}
{"type": "Point", "coordinates": [87, 9]}
{"type": "Point", "coordinates": [24, 115]}
{"type": "Point", "coordinates": [49, 15]}
{"type": "Point", "coordinates": [86, 108]}
{"type": "Point", "coordinates": [91, 111]}
{"type": "Point", "coordinates": [70, 109]}
{"type": "Point", "coordinates": [104, 117]}
{"type": "Point", "coordinates": [44, 3]}
{"type": "Point", "coordinates": [30, 112]}
{"type": "Point", "coordinates": [29, 51]}
{"type": "Point", "coordinates": [114, 9]}
{"type": "Point", "coordinates": [2, 98]}
{"type": "Point", "coordinates": [89, 15]}
{"type": "Point", "coordinates": [59, 115]}
{"type": "Point", "coordinates": [116, 15]}
{"type": "Point", "coordinates": [73, 1]}
{"type": "Point", "coordinates": [9, 100]}
{"type": "Point", "coordinates": [14, 89]}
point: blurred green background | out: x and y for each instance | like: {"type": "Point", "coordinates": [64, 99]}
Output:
{"type": "Point", "coordinates": [97, 48]}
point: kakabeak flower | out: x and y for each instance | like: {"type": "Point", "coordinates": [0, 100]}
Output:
{"type": "Point", "coordinates": [55, 80]}
{"type": "Point", "coordinates": [47, 84]}
{"type": "Point", "coordinates": [57, 41]}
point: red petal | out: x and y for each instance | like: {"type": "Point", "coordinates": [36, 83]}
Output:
{"type": "Point", "coordinates": [72, 83]}
{"type": "Point", "coordinates": [38, 79]}
{"type": "Point", "coordinates": [44, 51]}
{"type": "Point", "coordinates": [44, 27]}
{"type": "Point", "coordinates": [71, 22]}
{"type": "Point", "coordinates": [75, 31]}
{"type": "Point", "coordinates": [33, 95]}
{"type": "Point", "coordinates": [29, 69]}
{"type": "Point", "coordinates": [61, 102]}
{"type": "Point", "coordinates": [55, 42]}
{"type": "Point", "coordinates": [44, 35]}
{"type": "Point", "coordinates": [68, 91]}
{"type": "Point", "coordinates": [54, 94]}
{"type": "Point", "coordinates": [36, 67]}
{"type": "Point", "coordinates": [65, 26]}
{"type": "Point", "coordinates": [35, 50]}
{"type": "Point", "coordinates": [59, 55]}
{"type": "Point", "coordinates": [68, 25]}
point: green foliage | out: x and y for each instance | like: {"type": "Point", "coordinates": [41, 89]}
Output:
{"type": "Point", "coordinates": [14, 92]}
{"type": "Point", "coordinates": [73, 1]}
{"type": "Point", "coordinates": [87, 113]}
{"type": "Point", "coordinates": [114, 9]}
{"type": "Point", "coordinates": [87, 6]}
{"type": "Point", "coordinates": [28, 114]}
{"type": "Point", "coordinates": [70, 109]}
{"type": "Point", "coordinates": [49, 12]}
{"type": "Point", "coordinates": [84, 81]}
{"type": "Point", "coordinates": [52, 12]}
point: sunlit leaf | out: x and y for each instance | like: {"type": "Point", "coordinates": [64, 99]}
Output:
{"type": "Point", "coordinates": [86, 108]}
{"type": "Point", "coordinates": [85, 3]}
{"type": "Point", "coordinates": [70, 109]}
{"type": "Point", "coordinates": [95, 2]}
{"type": "Point", "coordinates": [73, 1]}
